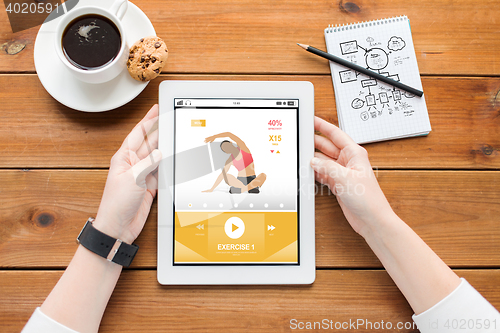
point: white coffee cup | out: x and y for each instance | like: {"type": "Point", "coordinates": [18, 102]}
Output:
{"type": "Point", "coordinates": [102, 74]}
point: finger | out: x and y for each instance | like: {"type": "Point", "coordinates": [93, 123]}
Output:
{"type": "Point", "coordinates": [150, 143]}
{"type": "Point", "coordinates": [326, 146]}
{"type": "Point", "coordinates": [327, 167]}
{"type": "Point", "coordinates": [322, 179]}
{"type": "Point", "coordinates": [155, 174]}
{"type": "Point", "coordinates": [152, 184]}
{"type": "Point", "coordinates": [338, 137]}
{"type": "Point", "coordinates": [145, 166]}
{"type": "Point", "coordinates": [136, 137]}
{"type": "Point", "coordinates": [323, 156]}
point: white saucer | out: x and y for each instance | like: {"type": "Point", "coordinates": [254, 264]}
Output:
{"type": "Point", "coordinates": [76, 94]}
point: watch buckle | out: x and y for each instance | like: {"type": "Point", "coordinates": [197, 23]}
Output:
{"type": "Point", "coordinates": [114, 250]}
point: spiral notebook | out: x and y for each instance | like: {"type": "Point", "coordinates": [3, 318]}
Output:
{"type": "Point", "coordinates": [369, 110]}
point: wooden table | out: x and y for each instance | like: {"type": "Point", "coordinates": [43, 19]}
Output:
{"type": "Point", "coordinates": [54, 160]}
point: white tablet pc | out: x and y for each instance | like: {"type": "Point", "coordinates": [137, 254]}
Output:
{"type": "Point", "coordinates": [236, 190]}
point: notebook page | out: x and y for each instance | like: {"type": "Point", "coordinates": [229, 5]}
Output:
{"type": "Point", "coordinates": [370, 110]}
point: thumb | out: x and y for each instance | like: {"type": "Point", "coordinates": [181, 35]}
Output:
{"type": "Point", "coordinates": [328, 168]}
{"type": "Point", "coordinates": [145, 166]}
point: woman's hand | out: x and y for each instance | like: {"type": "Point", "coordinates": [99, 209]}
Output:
{"type": "Point", "coordinates": [423, 278]}
{"type": "Point", "coordinates": [343, 165]}
{"type": "Point", "coordinates": [221, 135]}
{"type": "Point", "coordinates": [210, 138]}
{"type": "Point", "coordinates": [131, 186]}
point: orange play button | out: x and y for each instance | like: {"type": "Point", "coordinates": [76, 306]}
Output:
{"type": "Point", "coordinates": [234, 227]}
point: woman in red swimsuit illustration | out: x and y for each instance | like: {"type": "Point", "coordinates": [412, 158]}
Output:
{"type": "Point", "coordinates": [241, 158]}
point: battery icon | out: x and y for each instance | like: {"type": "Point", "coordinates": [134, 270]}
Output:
{"type": "Point", "coordinates": [290, 103]}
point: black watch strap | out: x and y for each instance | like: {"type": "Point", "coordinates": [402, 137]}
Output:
{"type": "Point", "coordinates": [106, 246]}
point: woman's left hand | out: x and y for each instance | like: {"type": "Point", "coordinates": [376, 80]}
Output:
{"type": "Point", "coordinates": [131, 185]}
{"type": "Point", "coordinates": [210, 139]}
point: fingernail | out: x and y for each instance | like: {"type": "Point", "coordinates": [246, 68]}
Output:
{"type": "Point", "coordinates": [157, 154]}
{"type": "Point", "coordinates": [314, 161]}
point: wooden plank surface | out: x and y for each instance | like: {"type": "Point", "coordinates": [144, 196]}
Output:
{"type": "Point", "coordinates": [38, 132]}
{"type": "Point", "coordinates": [248, 36]}
{"type": "Point", "coordinates": [140, 304]}
{"type": "Point", "coordinates": [456, 212]}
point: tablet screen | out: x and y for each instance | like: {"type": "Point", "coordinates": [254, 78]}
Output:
{"type": "Point", "coordinates": [236, 181]}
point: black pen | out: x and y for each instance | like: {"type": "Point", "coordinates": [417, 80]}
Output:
{"type": "Point", "coordinates": [363, 70]}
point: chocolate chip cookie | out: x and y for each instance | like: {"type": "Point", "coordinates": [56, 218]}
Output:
{"type": "Point", "coordinates": [147, 58]}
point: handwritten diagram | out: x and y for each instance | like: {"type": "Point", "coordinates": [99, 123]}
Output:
{"type": "Point", "coordinates": [375, 99]}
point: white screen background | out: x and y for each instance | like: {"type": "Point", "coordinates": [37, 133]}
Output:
{"type": "Point", "coordinates": [278, 193]}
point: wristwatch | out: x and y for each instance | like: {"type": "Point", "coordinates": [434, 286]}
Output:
{"type": "Point", "coordinates": [112, 249]}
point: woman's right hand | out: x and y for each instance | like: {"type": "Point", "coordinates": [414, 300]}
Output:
{"type": "Point", "coordinates": [343, 165]}
{"type": "Point", "coordinates": [131, 184]}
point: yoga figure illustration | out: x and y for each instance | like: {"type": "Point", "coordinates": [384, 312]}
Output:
{"type": "Point", "coordinates": [241, 158]}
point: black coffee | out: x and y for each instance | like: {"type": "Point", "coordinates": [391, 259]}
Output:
{"type": "Point", "coordinates": [91, 41]}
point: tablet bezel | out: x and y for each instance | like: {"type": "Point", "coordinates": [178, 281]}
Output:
{"type": "Point", "coordinates": [305, 272]}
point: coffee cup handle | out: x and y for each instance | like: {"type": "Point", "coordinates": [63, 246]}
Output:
{"type": "Point", "coordinates": [119, 8]}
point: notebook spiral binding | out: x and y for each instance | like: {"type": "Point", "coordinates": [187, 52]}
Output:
{"type": "Point", "coordinates": [363, 24]}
